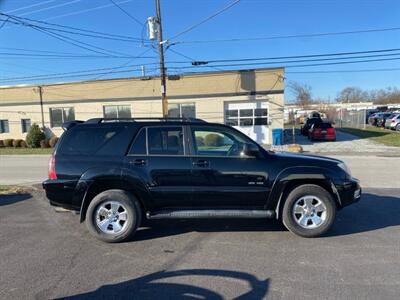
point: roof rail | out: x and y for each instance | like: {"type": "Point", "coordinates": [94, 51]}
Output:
{"type": "Point", "coordinates": [104, 120]}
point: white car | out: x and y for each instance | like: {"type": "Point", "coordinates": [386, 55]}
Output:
{"type": "Point", "coordinates": [393, 122]}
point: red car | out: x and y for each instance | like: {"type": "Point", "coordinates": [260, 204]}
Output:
{"type": "Point", "coordinates": [322, 131]}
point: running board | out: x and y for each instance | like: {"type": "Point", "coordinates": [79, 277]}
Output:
{"type": "Point", "coordinates": [211, 213]}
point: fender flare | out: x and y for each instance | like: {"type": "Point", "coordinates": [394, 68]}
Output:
{"type": "Point", "coordinates": [300, 175]}
{"type": "Point", "coordinates": [101, 179]}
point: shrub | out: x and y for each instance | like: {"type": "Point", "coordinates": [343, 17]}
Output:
{"type": "Point", "coordinates": [23, 144]}
{"type": "Point", "coordinates": [1, 143]}
{"type": "Point", "coordinates": [44, 143]}
{"type": "Point", "coordinates": [53, 141]}
{"type": "Point", "coordinates": [213, 140]}
{"type": "Point", "coordinates": [16, 143]}
{"type": "Point", "coordinates": [34, 136]}
{"type": "Point", "coordinates": [8, 142]}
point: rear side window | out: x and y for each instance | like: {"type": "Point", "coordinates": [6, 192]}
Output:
{"type": "Point", "coordinates": [165, 140]}
{"type": "Point", "coordinates": [323, 125]}
{"type": "Point", "coordinates": [139, 144]}
{"type": "Point", "coordinates": [108, 141]}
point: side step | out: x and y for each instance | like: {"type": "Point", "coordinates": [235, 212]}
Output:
{"type": "Point", "coordinates": [211, 213]}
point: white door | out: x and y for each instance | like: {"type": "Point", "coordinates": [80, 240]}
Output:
{"type": "Point", "coordinates": [251, 118]}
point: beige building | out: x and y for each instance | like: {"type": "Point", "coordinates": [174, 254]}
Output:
{"type": "Point", "coordinates": [251, 101]}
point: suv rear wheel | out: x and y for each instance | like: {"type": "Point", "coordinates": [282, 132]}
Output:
{"type": "Point", "coordinates": [113, 216]}
{"type": "Point", "coordinates": [309, 211]}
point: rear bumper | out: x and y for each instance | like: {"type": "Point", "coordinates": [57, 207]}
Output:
{"type": "Point", "coordinates": [349, 191]}
{"type": "Point", "coordinates": [60, 192]}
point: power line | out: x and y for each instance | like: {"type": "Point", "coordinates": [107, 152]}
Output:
{"type": "Point", "coordinates": [53, 75]}
{"type": "Point", "coordinates": [311, 35]}
{"type": "Point", "coordinates": [190, 28]}
{"type": "Point", "coordinates": [100, 34]}
{"type": "Point", "coordinates": [189, 58]}
{"type": "Point", "coordinates": [292, 61]}
{"type": "Point", "coordinates": [57, 56]}
{"type": "Point", "coordinates": [30, 6]}
{"type": "Point", "coordinates": [305, 56]}
{"type": "Point", "coordinates": [50, 7]}
{"type": "Point", "coordinates": [79, 33]}
{"type": "Point", "coordinates": [66, 39]}
{"type": "Point", "coordinates": [302, 65]}
{"type": "Point", "coordinates": [343, 71]}
{"type": "Point", "coordinates": [126, 13]}
{"type": "Point", "coordinates": [85, 10]}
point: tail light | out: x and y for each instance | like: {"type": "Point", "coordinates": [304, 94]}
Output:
{"type": "Point", "coordinates": [52, 167]}
{"type": "Point", "coordinates": [330, 130]}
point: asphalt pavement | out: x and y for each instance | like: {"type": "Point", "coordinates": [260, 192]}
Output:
{"type": "Point", "coordinates": [50, 255]}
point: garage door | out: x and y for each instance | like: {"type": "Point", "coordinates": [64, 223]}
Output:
{"type": "Point", "coordinates": [251, 118]}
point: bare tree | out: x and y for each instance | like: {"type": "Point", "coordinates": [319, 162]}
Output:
{"type": "Point", "coordinates": [351, 95]}
{"type": "Point", "coordinates": [302, 93]}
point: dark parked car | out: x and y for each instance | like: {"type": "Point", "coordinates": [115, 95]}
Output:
{"type": "Point", "coordinates": [322, 131]}
{"type": "Point", "coordinates": [116, 172]}
{"type": "Point", "coordinates": [307, 125]}
{"type": "Point", "coordinates": [381, 119]}
{"type": "Point", "coordinates": [372, 120]}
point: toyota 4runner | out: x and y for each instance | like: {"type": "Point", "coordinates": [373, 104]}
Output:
{"type": "Point", "coordinates": [117, 172]}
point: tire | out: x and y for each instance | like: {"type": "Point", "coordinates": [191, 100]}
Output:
{"type": "Point", "coordinates": [306, 194]}
{"type": "Point", "coordinates": [118, 211]}
{"type": "Point", "coordinates": [398, 127]}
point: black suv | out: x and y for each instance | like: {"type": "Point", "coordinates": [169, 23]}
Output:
{"type": "Point", "coordinates": [115, 172]}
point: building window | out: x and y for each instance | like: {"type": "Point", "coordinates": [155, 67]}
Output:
{"type": "Point", "coordinates": [59, 115]}
{"type": "Point", "coordinates": [4, 126]}
{"type": "Point", "coordinates": [182, 110]}
{"type": "Point", "coordinates": [25, 125]}
{"type": "Point", "coordinates": [246, 117]}
{"type": "Point", "coordinates": [117, 111]}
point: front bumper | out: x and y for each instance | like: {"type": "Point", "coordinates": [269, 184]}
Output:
{"type": "Point", "coordinates": [349, 191]}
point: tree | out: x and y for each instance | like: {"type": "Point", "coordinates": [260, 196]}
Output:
{"type": "Point", "coordinates": [352, 94]}
{"type": "Point", "coordinates": [302, 93]}
{"type": "Point", "coordinates": [34, 136]}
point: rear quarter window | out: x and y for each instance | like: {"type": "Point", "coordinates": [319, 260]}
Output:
{"type": "Point", "coordinates": [107, 141]}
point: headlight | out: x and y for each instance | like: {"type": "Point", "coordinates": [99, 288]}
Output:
{"type": "Point", "coordinates": [345, 168]}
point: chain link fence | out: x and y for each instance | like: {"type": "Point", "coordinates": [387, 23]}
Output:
{"type": "Point", "coordinates": [351, 118]}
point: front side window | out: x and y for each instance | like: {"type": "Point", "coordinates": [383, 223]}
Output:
{"type": "Point", "coordinates": [117, 111]}
{"type": "Point", "coordinates": [246, 117]}
{"type": "Point", "coordinates": [4, 128]}
{"type": "Point", "coordinates": [217, 142]}
{"type": "Point", "coordinates": [165, 141]}
{"type": "Point", "coordinates": [182, 110]}
{"type": "Point", "coordinates": [25, 125]}
{"type": "Point", "coordinates": [59, 115]}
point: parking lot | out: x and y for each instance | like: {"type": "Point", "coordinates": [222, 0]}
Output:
{"type": "Point", "coordinates": [50, 255]}
{"type": "Point", "coordinates": [345, 144]}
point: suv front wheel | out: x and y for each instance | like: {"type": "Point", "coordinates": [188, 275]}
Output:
{"type": "Point", "coordinates": [113, 216]}
{"type": "Point", "coordinates": [309, 211]}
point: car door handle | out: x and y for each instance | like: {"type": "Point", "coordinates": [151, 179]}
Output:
{"type": "Point", "coordinates": [201, 163]}
{"type": "Point", "coordinates": [138, 162]}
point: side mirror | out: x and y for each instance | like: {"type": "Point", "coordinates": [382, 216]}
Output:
{"type": "Point", "coordinates": [251, 150]}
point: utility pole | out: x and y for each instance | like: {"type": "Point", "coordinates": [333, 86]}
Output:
{"type": "Point", "coordinates": [39, 90]}
{"type": "Point", "coordinates": [162, 67]}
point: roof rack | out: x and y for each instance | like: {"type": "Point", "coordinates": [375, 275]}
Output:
{"type": "Point", "coordinates": [105, 120]}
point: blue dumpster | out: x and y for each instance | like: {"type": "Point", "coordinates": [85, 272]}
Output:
{"type": "Point", "coordinates": [277, 136]}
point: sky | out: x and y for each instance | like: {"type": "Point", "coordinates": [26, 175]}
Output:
{"type": "Point", "coordinates": [245, 19]}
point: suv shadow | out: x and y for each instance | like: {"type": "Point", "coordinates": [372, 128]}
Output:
{"type": "Point", "coordinates": [156, 286]}
{"type": "Point", "coordinates": [14, 198]}
{"type": "Point", "coordinates": [371, 213]}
